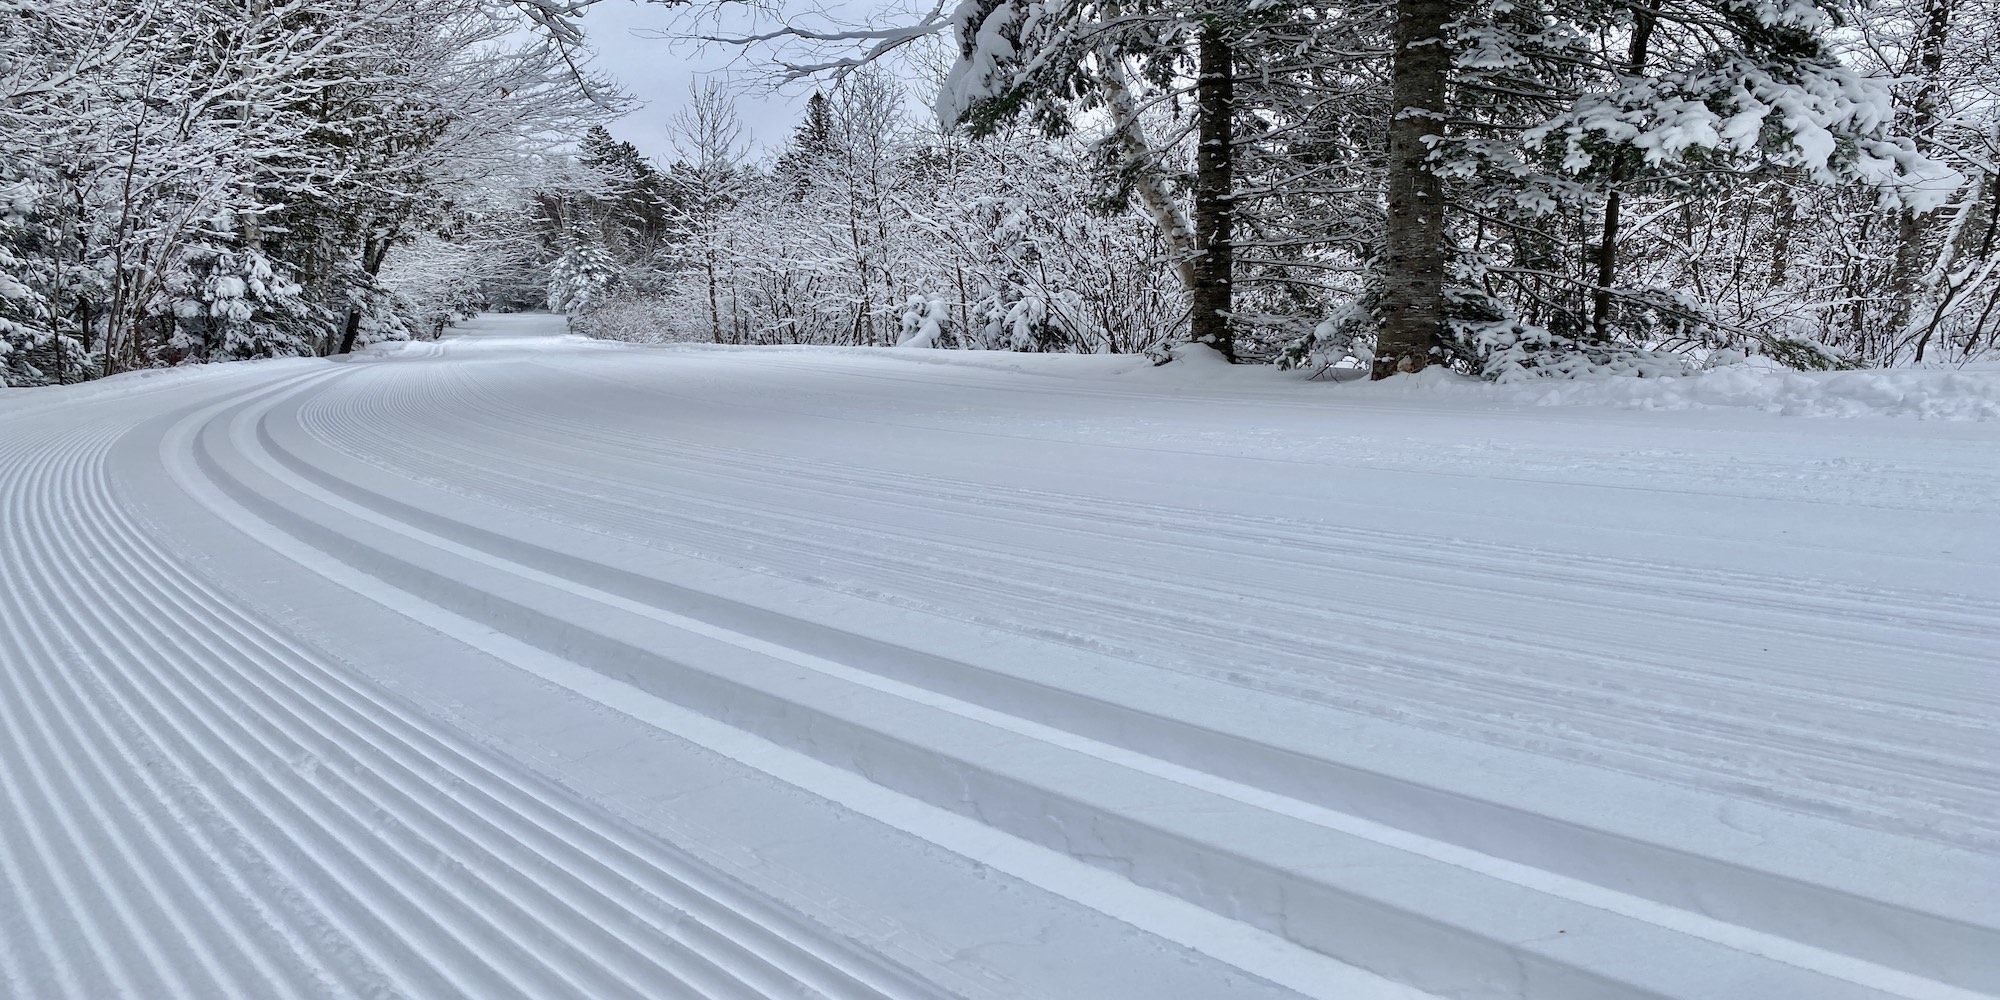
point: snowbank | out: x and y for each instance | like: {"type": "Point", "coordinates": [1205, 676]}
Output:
{"type": "Point", "coordinates": [1971, 393]}
{"type": "Point", "coordinates": [19, 401]}
{"type": "Point", "coordinates": [1968, 393]}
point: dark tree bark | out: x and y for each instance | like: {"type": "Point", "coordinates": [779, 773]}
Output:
{"type": "Point", "coordinates": [714, 306]}
{"type": "Point", "coordinates": [373, 252]}
{"type": "Point", "coordinates": [1413, 258]}
{"type": "Point", "coordinates": [1607, 247]}
{"type": "Point", "coordinates": [349, 330]}
{"type": "Point", "coordinates": [1214, 191]}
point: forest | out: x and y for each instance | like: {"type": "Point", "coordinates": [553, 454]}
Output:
{"type": "Point", "coordinates": [1515, 190]}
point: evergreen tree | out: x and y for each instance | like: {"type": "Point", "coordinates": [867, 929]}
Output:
{"type": "Point", "coordinates": [1557, 114]}
{"type": "Point", "coordinates": [583, 275]}
{"type": "Point", "coordinates": [633, 205]}
{"type": "Point", "coordinates": [813, 144]}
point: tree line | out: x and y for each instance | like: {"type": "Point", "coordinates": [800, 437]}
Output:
{"type": "Point", "coordinates": [1515, 189]}
{"type": "Point", "coordinates": [871, 227]}
{"type": "Point", "coordinates": [1511, 188]}
{"type": "Point", "coordinates": [201, 180]}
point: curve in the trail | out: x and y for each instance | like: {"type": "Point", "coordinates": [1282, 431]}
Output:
{"type": "Point", "coordinates": [208, 809]}
{"type": "Point", "coordinates": [1053, 715]}
{"type": "Point", "coordinates": [1648, 721]}
{"type": "Point", "coordinates": [327, 469]}
{"type": "Point", "coordinates": [1133, 698]}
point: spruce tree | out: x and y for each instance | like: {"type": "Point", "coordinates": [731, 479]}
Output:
{"type": "Point", "coordinates": [814, 142]}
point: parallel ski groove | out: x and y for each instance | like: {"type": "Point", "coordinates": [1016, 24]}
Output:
{"type": "Point", "coordinates": [231, 699]}
{"type": "Point", "coordinates": [96, 845]}
{"type": "Point", "coordinates": [1698, 703]}
{"type": "Point", "coordinates": [196, 803]}
{"type": "Point", "coordinates": [253, 433]}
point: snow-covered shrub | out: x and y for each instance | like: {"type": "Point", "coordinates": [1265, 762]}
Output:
{"type": "Point", "coordinates": [1485, 340]}
{"type": "Point", "coordinates": [640, 316]}
{"type": "Point", "coordinates": [227, 305]}
{"type": "Point", "coordinates": [924, 321]}
{"type": "Point", "coordinates": [1346, 336]}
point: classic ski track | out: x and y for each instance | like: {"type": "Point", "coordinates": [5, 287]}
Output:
{"type": "Point", "coordinates": [649, 451]}
{"type": "Point", "coordinates": [1508, 414]}
{"type": "Point", "coordinates": [1557, 700]}
{"type": "Point", "coordinates": [244, 816]}
{"type": "Point", "coordinates": [1058, 599]}
{"type": "Point", "coordinates": [633, 537]}
{"type": "Point", "coordinates": [1313, 974]}
{"type": "Point", "coordinates": [255, 430]}
{"type": "Point", "coordinates": [1261, 527]}
{"type": "Point", "coordinates": [1556, 703]}
{"type": "Point", "coordinates": [490, 853]}
{"type": "Point", "coordinates": [777, 472]}
{"type": "Point", "coordinates": [1462, 554]}
{"type": "Point", "coordinates": [1857, 760]}
{"type": "Point", "coordinates": [300, 465]}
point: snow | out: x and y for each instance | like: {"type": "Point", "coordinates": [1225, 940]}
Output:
{"type": "Point", "coordinates": [1950, 393]}
{"type": "Point", "coordinates": [1970, 392]}
{"type": "Point", "coordinates": [524, 665]}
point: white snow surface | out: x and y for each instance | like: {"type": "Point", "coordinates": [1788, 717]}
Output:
{"type": "Point", "coordinates": [1970, 392]}
{"type": "Point", "coordinates": [518, 665]}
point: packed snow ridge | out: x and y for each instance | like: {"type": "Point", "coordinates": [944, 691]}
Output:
{"type": "Point", "coordinates": [1971, 392]}
{"type": "Point", "coordinates": [519, 665]}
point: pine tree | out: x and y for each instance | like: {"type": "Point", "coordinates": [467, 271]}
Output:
{"type": "Point", "coordinates": [1534, 116]}
{"type": "Point", "coordinates": [583, 275]}
{"type": "Point", "coordinates": [813, 144]}
{"type": "Point", "coordinates": [633, 207]}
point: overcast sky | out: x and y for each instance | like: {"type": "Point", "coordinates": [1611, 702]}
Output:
{"type": "Point", "coordinates": [658, 71]}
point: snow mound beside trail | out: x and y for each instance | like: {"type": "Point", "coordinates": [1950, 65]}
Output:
{"type": "Point", "coordinates": [19, 401]}
{"type": "Point", "coordinates": [1970, 393]}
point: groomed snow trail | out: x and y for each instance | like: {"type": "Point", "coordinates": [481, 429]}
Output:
{"type": "Point", "coordinates": [523, 666]}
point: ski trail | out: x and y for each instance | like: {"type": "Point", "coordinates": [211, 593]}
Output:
{"type": "Point", "coordinates": [380, 819]}
{"type": "Point", "coordinates": [1668, 697]}
{"type": "Point", "coordinates": [253, 432]}
{"type": "Point", "coordinates": [1089, 658]}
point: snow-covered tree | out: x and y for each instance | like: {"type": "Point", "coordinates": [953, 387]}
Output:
{"type": "Point", "coordinates": [218, 178]}
{"type": "Point", "coordinates": [583, 275]}
{"type": "Point", "coordinates": [707, 181]}
{"type": "Point", "coordinates": [1491, 182]}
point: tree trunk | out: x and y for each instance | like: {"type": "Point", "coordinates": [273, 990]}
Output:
{"type": "Point", "coordinates": [1149, 182]}
{"type": "Point", "coordinates": [373, 252]}
{"type": "Point", "coordinates": [1607, 247]}
{"type": "Point", "coordinates": [1214, 190]}
{"type": "Point", "coordinates": [714, 307]}
{"type": "Point", "coordinates": [1607, 257]}
{"type": "Point", "coordinates": [253, 227]}
{"type": "Point", "coordinates": [1911, 231]}
{"type": "Point", "coordinates": [1413, 258]}
{"type": "Point", "coordinates": [1958, 244]}
{"type": "Point", "coordinates": [1783, 217]}
{"type": "Point", "coordinates": [349, 330]}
